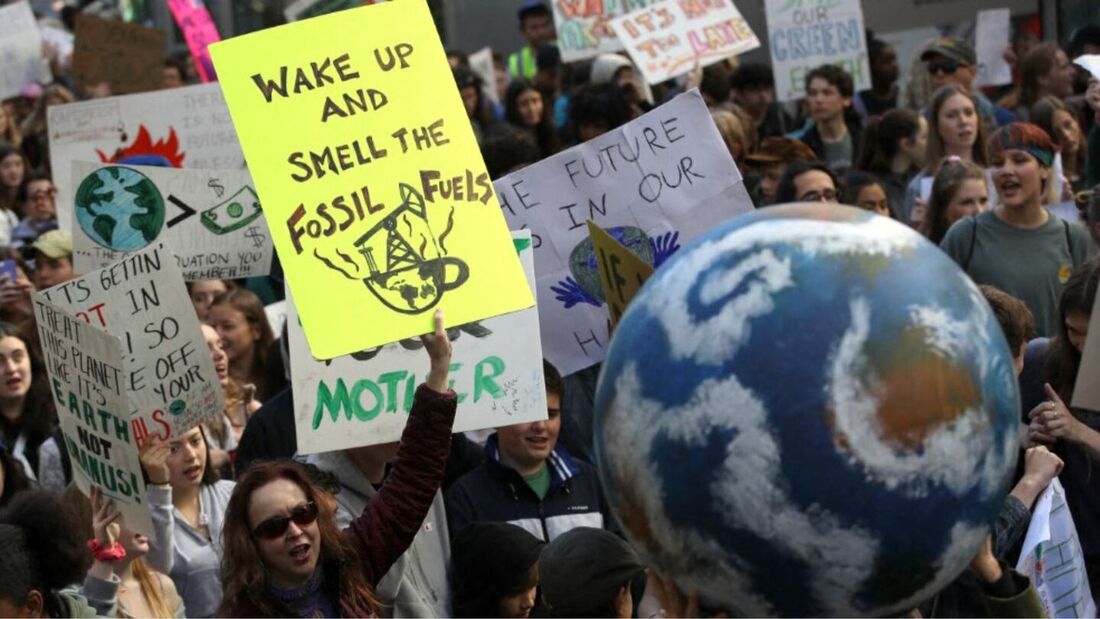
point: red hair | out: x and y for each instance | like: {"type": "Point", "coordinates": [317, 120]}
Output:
{"type": "Point", "coordinates": [245, 581]}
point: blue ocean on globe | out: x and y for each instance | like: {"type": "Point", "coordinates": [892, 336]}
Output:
{"type": "Point", "coordinates": [808, 411]}
{"type": "Point", "coordinates": [119, 208]}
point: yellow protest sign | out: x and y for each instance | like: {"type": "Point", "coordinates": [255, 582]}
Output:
{"type": "Point", "coordinates": [370, 177]}
{"type": "Point", "coordinates": [622, 273]}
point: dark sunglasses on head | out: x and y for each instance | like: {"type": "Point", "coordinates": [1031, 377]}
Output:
{"type": "Point", "coordinates": [947, 67]}
{"type": "Point", "coordinates": [276, 526]}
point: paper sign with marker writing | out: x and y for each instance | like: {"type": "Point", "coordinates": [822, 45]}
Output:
{"type": "Point", "coordinates": [169, 374]}
{"type": "Point", "coordinates": [654, 183]}
{"type": "Point", "coordinates": [1052, 558]}
{"type": "Point", "coordinates": [59, 39]}
{"type": "Point", "coordinates": [1086, 393]}
{"type": "Point", "coordinates": [990, 41]}
{"type": "Point", "coordinates": [365, 398]}
{"type": "Point", "coordinates": [211, 219]}
{"type": "Point", "coordinates": [669, 38]}
{"type": "Point", "coordinates": [804, 34]}
{"type": "Point", "coordinates": [373, 187]}
{"type": "Point", "coordinates": [584, 28]}
{"type": "Point", "coordinates": [127, 56]}
{"type": "Point", "coordinates": [88, 379]}
{"type": "Point", "coordinates": [20, 48]}
{"type": "Point", "coordinates": [185, 127]}
{"type": "Point", "coordinates": [622, 272]}
{"type": "Point", "coordinates": [199, 31]}
{"type": "Point", "coordinates": [481, 63]}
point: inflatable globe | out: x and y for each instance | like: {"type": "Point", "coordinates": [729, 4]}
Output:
{"type": "Point", "coordinates": [808, 411]}
{"type": "Point", "coordinates": [119, 208]}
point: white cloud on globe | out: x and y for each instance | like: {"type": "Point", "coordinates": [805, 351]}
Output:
{"type": "Point", "coordinates": [957, 455]}
{"type": "Point", "coordinates": [762, 274]}
{"type": "Point", "coordinates": [749, 489]}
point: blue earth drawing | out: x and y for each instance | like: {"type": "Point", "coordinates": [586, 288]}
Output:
{"type": "Point", "coordinates": [808, 411]}
{"type": "Point", "coordinates": [119, 208]}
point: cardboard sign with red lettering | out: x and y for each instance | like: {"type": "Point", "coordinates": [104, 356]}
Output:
{"type": "Point", "coordinates": [169, 377]}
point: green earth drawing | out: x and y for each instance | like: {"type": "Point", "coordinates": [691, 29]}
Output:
{"type": "Point", "coordinates": [119, 208]}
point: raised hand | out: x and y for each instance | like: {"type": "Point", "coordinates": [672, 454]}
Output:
{"type": "Point", "coordinates": [104, 518]}
{"type": "Point", "coordinates": [1054, 418]}
{"type": "Point", "coordinates": [154, 460]}
{"type": "Point", "coordinates": [438, 346]}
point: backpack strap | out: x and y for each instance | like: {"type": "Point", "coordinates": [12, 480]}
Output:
{"type": "Point", "coordinates": [1069, 241]}
{"type": "Point", "coordinates": [973, 242]}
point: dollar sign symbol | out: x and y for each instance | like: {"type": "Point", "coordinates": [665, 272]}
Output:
{"type": "Point", "coordinates": [257, 237]}
{"type": "Point", "coordinates": [218, 188]}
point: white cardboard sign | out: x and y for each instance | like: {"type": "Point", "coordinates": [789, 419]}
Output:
{"type": "Point", "coordinates": [211, 219]}
{"type": "Point", "coordinates": [671, 37]}
{"type": "Point", "coordinates": [168, 372]}
{"type": "Point", "coordinates": [656, 182]}
{"type": "Point", "coordinates": [990, 41]}
{"type": "Point", "coordinates": [88, 384]}
{"type": "Point", "coordinates": [805, 35]}
{"type": "Point", "coordinates": [364, 398]}
{"type": "Point", "coordinates": [185, 127]}
{"type": "Point", "coordinates": [20, 48]}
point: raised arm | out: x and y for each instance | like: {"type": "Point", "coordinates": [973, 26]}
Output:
{"type": "Point", "coordinates": [393, 517]}
{"type": "Point", "coordinates": [154, 461]}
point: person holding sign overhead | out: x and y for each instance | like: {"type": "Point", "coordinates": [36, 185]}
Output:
{"type": "Point", "coordinates": [141, 590]}
{"type": "Point", "coordinates": [285, 555]}
{"type": "Point", "coordinates": [188, 503]}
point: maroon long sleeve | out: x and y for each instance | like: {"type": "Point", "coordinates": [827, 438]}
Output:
{"type": "Point", "coordinates": [393, 517]}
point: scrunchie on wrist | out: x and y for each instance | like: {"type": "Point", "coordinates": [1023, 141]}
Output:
{"type": "Point", "coordinates": [100, 553]}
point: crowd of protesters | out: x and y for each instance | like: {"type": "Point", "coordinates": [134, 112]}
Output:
{"type": "Point", "coordinates": [514, 523]}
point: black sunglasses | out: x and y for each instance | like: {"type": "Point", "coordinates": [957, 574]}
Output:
{"type": "Point", "coordinates": [947, 67]}
{"type": "Point", "coordinates": [276, 526]}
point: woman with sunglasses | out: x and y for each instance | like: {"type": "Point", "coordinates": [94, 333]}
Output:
{"type": "Point", "coordinates": [285, 555]}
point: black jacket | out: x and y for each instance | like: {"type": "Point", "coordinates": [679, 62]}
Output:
{"type": "Point", "coordinates": [812, 138]}
{"type": "Point", "coordinates": [496, 492]}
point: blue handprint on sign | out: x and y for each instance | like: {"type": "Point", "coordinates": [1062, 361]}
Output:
{"type": "Point", "coordinates": [569, 292]}
{"type": "Point", "coordinates": [663, 247]}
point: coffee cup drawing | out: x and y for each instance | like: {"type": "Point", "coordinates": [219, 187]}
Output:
{"type": "Point", "coordinates": [416, 272]}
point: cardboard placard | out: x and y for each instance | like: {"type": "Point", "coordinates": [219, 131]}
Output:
{"type": "Point", "coordinates": [622, 272]}
{"type": "Point", "coordinates": [186, 127]}
{"type": "Point", "coordinates": [127, 56]}
{"type": "Point", "coordinates": [990, 42]}
{"type": "Point", "coordinates": [88, 384]}
{"type": "Point", "coordinates": [169, 377]}
{"type": "Point", "coordinates": [364, 399]}
{"type": "Point", "coordinates": [654, 183]}
{"type": "Point", "coordinates": [20, 48]}
{"type": "Point", "coordinates": [199, 31]}
{"type": "Point", "coordinates": [211, 219]}
{"type": "Point", "coordinates": [805, 35]}
{"type": "Point", "coordinates": [670, 37]}
{"type": "Point", "coordinates": [584, 27]}
{"type": "Point", "coordinates": [481, 63]}
{"type": "Point", "coordinates": [374, 190]}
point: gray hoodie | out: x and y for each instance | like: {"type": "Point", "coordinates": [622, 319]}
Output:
{"type": "Point", "coordinates": [416, 585]}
